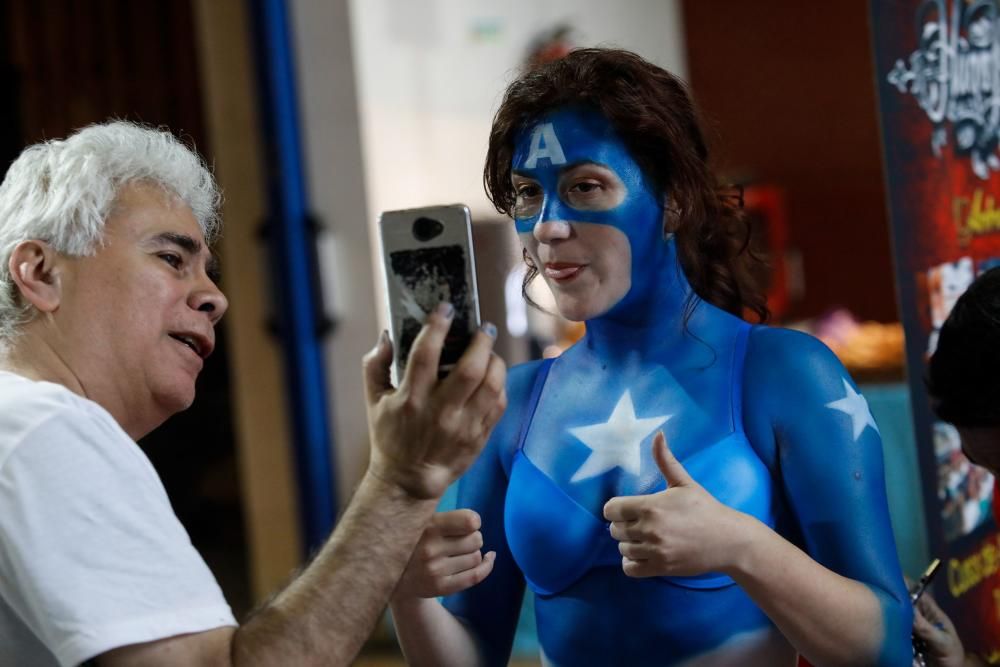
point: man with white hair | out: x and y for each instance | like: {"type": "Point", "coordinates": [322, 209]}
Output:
{"type": "Point", "coordinates": [107, 314]}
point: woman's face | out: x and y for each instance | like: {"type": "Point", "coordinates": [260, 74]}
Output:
{"type": "Point", "coordinates": [584, 211]}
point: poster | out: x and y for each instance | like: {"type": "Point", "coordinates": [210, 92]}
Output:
{"type": "Point", "coordinates": [937, 70]}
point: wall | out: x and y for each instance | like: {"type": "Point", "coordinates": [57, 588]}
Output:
{"type": "Point", "coordinates": [418, 81]}
{"type": "Point", "coordinates": [331, 145]}
{"type": "Point", "coordinates": [789, 88]}
{"type": "Point", "coordinates": [256, 381]}
{"type": "Point", "coordinates": [431, 73]}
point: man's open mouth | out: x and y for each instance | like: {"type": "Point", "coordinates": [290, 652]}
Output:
{"type": "Point", "coordinates": [190, 342]}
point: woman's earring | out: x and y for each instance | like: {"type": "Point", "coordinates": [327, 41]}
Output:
{"type": "Point", "coordinates": [670, 216]}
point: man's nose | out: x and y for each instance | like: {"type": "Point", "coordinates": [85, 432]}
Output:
{"type": "Point", "coordinates": [210, 299]}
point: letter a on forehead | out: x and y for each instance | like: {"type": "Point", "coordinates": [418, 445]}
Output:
{"type": "Point", "coordinates": [544, 144]}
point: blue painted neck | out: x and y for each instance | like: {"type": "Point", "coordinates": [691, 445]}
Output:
{"type": "Point", "coordinates": [652, 314]}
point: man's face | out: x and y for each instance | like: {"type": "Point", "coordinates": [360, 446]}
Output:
{"type": "Point", "coordinates": [136, 319]}
{"type": "Point", "coordinates": [982, 446]}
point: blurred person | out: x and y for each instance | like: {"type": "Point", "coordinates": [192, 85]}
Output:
{"type": "Point", "coordinates": [762, 531]}
{"type": "Point", "coordinates": [963, 376]}
{"type": "Point", "coordinates": [107, 313]}
{"type": "Point", "coordinates": [963, 381]}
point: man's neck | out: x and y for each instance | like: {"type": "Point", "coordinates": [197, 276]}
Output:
{"type": "Point", "coordinates": [31, 356]}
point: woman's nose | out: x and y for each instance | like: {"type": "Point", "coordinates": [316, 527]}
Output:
{"type": "Point", "coordinates": [547, 231]}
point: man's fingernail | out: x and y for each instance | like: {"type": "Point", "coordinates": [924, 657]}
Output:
{"type": "Point", "coordinates": [383, 338]}
{"type": "Point", "coordinates": [489, 329]}
{"type": "Point", "coordinates": [445, 309]}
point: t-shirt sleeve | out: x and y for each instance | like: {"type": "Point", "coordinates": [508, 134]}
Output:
{"type": "Point", "coordinates": [92, 556]}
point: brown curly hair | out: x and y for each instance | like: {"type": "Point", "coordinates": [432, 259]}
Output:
{"type": "Point", "coordinates": [653, 113]}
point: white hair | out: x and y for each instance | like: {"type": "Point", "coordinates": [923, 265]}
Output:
{"type": "Point", "coordinates": [63, 191]}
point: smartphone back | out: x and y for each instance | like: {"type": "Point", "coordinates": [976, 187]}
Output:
{"type": "Point", "coordinates": [427, 258]}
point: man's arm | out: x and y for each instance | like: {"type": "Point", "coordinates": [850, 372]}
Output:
{"type": "Point", "coordinates": [327, 612]}
{"type": "Point", "coordinates": [424, 435]}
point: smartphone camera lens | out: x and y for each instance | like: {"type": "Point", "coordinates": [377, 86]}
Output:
{"type": "Point", "coordinates": [424, 229]}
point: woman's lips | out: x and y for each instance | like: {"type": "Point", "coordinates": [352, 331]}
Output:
{"type": "Point", "coordinates": [562, 272]}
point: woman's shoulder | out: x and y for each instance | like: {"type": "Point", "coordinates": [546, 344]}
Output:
{"type": "Point", "coordinates": [522, 377]}
{"type": "Point", "coordinates": [793, 379]}
{"type": "Point", "coordinates": [787, 359]}
{"type": "Point", "coordinates": [780, 344]}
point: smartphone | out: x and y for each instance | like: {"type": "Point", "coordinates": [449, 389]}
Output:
{"type": "Point", "coordinates": [920, 658]}
{"type": "Point", "coordinates": [427, 258]}
{"type": "Point", "coordinates": [925, 580]}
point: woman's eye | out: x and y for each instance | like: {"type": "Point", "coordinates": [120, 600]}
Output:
{"type": "Point", "coordinates": [527, 191]}
{"type": "Point", "coordinates": [586, 187]}
{"type": "Point", "coordinates": [592, 192]}
{"type": "Point", "coordinates": [528, 199]}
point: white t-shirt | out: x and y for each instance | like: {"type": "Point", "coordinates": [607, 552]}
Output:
{"type": "Point", "coordinates": [92, 556]}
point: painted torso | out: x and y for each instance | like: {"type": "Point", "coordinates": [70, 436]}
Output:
{"type": "Point", "coordinates": [588, 440]}
{"type": "Point", "coordinates": [732, 402]}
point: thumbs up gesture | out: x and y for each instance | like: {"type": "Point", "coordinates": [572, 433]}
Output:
{"type": "Point", "coordinates": [682, 531]}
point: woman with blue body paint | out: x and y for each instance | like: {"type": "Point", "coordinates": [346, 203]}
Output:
{"type": "Point", "coordinates": [762, 531]}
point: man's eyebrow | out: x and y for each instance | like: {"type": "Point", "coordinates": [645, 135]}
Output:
{"type": "Point", "coordinates": [188, 243]}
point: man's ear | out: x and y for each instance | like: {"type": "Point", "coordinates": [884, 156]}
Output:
{"type": "Point", "coordinates": [33, 268]}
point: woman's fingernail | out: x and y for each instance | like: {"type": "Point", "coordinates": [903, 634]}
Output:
{"type": "Point", "coordinates": [445, 309]}
{"type": "Point", "coordinates": [489, 329]}
{"type": "Point", "coordinates": [383, 338]}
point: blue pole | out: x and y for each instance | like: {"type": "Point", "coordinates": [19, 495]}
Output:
{"type": "Point", "coordinates": [296, 289]}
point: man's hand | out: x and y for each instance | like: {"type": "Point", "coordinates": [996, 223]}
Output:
{"type": "Point", "coordinates": [448, 558]}
{"type": "Point", "coordinates": [426, 433]}
{"type": "Point", "coordinates": [682, 531]}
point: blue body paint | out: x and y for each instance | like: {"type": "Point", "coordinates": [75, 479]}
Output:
{"type": "Point", "coordinates": [732, 400]}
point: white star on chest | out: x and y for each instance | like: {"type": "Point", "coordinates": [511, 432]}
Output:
{"type": "Point", "coordinates": [616, 442]}
{"type": "Point", "coordinates": [854, 405]}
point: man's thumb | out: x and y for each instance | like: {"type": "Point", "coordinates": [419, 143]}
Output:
{"type": "Point", "coordinates": [672, 470]}
{"type": "Point", "coordinates": [376, 366]}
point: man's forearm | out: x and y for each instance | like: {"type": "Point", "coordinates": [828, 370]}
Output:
{"type": "Point", "coordinates": [326, 614]}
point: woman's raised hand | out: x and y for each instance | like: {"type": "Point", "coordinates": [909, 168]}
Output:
{"type": "Point", "coordinates": [681, 531]}
{"type": "Point", "coordinates": [448, 558]}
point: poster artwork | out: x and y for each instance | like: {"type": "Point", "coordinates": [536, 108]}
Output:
{"type": "Point", "coordinates": [938, 75]}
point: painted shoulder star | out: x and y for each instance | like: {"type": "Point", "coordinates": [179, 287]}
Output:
{"type": "Point", "coordinates": [856, 407]}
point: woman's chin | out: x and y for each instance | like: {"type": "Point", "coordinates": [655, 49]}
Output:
{"type": "Point", "coordinates": [576, 310]}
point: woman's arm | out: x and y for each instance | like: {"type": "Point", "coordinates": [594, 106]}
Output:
{"type": "Point", "coordinates": [842, 600]}
{"type": "Point", "coordinates": [685, 531]}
